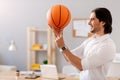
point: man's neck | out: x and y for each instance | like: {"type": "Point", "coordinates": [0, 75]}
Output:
{"type": "Point", "coordinates": [99, 35]}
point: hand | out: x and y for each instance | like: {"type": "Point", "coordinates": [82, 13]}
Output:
{"type": "Point", "coordinates": [57, 31]}
{"type": "Point", "coordinates": [59, 38]}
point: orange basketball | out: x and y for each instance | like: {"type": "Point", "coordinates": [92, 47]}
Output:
{"type": "Point", "coordinates": [58, 17]}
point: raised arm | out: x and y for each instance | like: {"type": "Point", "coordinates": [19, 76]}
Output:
{"type": "Point", "coordinates": [74, 60]}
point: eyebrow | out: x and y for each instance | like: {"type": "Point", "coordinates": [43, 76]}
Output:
{"type": "Point", "coordinates": [92, 18]}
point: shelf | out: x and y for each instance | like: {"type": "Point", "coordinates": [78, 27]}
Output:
{"type": "Point", "coordinates": [38, 49]}
{"type": "Point", "coordinates": [34, 30]}
{"type": "Point", "coordinates": [34, 46]}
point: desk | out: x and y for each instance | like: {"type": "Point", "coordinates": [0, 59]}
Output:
{"type": "Point", "coordinates": [12, 76]}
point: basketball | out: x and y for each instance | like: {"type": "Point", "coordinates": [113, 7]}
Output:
{"type": "Point", "coordinates": [58, 17]}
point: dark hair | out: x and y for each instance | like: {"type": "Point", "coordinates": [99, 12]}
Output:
{"type": "Point", "coordinates": [104, 15]}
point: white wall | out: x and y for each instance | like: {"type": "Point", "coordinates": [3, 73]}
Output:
{"type": "Point", "coordinates": [17, 15]}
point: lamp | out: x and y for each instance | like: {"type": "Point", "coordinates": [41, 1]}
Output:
{"type": "Point", "coordinates": [12, 46]}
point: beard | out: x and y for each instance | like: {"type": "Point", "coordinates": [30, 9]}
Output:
{"type": "Point", "coordinates": [92, 29]}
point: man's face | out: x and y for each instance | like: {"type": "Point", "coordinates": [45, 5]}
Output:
{"type": "Point", "coordinates": [96, 25]}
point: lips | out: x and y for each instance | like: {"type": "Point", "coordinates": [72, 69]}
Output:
{"type": "Point", "coordinates": [91, 27]}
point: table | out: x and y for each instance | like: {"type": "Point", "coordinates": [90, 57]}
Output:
{"type": "Point", "coordinates": [111, 78]}
{"type": "Point", "coordinates": [12, 76]}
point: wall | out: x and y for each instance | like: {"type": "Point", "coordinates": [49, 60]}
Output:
{"type": "Point", "coordinates": [17, 15]}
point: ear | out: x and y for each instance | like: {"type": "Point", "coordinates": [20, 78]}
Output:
{"type": "Point", "coordinates": [103, 23]}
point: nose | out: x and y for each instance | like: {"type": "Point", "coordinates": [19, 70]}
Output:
{"type": "Point", "coordinates": [89, 22]}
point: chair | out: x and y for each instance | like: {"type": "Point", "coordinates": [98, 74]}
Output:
{"type": "Point", "coordinates": [7, 68]}
{"type": "Point", "coordinates": [70, 70]}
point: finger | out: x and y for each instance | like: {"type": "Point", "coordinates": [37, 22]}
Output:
{"type": "Point", "coordinates": [54, 32]}
{"type": "Point", "coordinates": [61, 33]}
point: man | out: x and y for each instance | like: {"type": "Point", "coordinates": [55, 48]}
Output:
{"type": "Point", "coordinates": [94, 56]}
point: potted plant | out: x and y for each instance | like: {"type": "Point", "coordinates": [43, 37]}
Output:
{"type": "Point", "coordinates": [45, 61]}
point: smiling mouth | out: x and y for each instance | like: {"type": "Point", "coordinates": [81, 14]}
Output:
{"type": "Point", "coordinates": [91, 27]}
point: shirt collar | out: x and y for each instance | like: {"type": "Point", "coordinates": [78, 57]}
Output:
{"type": "Point", "coordinates": [102, 38]}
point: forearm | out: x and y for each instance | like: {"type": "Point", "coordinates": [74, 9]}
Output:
{"type": "Point", "coordinates": [65, 57]}
{"type": "Point", "coordinates": [74, 60]}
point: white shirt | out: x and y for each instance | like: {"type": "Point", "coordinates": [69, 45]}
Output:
{"type": "Point", "coordinates": [97, 55]}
